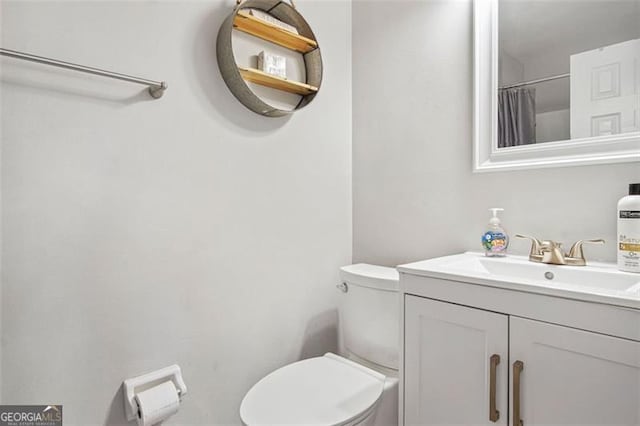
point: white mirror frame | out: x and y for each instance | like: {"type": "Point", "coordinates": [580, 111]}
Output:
{"type": "Point", "coordinates": [486, 155]}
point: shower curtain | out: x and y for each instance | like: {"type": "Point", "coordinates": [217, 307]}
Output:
{"type": "Point", "coordinates": [516, 117]}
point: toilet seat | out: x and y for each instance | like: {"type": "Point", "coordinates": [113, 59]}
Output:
{"type": "Point", "coordinates": [326, 390]}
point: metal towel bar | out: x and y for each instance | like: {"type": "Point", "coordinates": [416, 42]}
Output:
{"type": "Point", "coordinates": [156, 88]}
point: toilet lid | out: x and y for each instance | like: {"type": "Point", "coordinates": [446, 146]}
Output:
{"type": "Point", "coordinates": [327, 390]}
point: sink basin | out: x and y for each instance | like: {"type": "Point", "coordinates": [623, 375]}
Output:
{"type": "Point", "coordinates": [600, 282]}
{"type": "Point", "coordinates": [591, 277]}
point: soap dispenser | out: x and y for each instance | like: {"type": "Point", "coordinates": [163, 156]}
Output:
{"type": "Point", "coordinates": [495, 239]}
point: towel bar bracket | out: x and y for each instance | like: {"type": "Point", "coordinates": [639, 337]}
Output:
{"type": "Point", "coordinates": [156, 92]}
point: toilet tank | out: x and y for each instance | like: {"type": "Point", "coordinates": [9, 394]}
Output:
{"type": "Point", "coordinates": [369, 313]}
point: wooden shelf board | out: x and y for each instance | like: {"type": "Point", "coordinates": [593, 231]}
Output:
{"type": "Point", "coordinates": [267, 31]}
{"type": "Point", "coordinates": [256, 76]}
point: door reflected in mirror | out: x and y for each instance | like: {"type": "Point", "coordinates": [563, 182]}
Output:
{"type": "Point", "coordinates": [567, 70]}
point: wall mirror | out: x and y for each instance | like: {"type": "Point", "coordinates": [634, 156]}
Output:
{"type": "Point", "coordinates": [556, 83]}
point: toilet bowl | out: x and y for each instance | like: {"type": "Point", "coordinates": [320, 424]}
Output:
{"type": "Point", "coordinates": [327, 390]}
{"type": "Point", "coordinates": [359, 388]}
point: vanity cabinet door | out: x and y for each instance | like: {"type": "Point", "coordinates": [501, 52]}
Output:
{"type": "Point", "coordinates": [573, 377]}
{"type": "Point", "coordinates": [447, 364]}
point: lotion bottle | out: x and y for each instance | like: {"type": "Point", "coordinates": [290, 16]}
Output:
{"type": "Point", "coordinates": [629, 230]}
{"type": "Point", "coordinates": [495, 239]}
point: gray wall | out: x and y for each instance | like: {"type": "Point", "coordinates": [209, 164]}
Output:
{"type": "Point", "coordinates": [139, 233]}
{"type": "Point", "coordinates": [414, 194]}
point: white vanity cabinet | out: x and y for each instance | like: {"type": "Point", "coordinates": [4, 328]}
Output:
{"type": "Point", "coordinates": [573, 376]}
{"type": "Point", "coordinates": [556, 366]}
{"type": "Point", "coordinates": [447, 359]}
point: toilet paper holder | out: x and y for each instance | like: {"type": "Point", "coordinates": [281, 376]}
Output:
{"type": "Point", "coordinates": [147, 381]}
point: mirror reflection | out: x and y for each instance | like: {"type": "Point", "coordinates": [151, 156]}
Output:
{"type": "Point", "coordinates": [567, 70]}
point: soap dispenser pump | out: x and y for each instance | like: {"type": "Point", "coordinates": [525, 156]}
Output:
{"type": "Point", "coordinates": [495, 239]}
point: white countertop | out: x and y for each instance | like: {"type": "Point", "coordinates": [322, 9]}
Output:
{"type": "Point", "coordinates": [598, 282]}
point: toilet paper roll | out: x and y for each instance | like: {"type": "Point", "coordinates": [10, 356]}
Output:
{"type": "Point", "coordinates": [157, 403]}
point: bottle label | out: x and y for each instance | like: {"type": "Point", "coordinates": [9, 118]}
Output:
{"type": "Point", "coordinates": [629, 214]}
{"type": "Point", "coordinates": [495, 242]}
{"type": "Point", "coordinates": [629, 240]}
{"type": "Point", "coordinates": [629, 246]}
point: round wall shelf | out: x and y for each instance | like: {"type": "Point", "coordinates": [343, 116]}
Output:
{"type": "Point", "coordinates": [304, 43]}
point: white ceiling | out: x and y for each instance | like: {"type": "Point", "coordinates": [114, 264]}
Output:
{"type": "Point", "coordinates": [542, 34]}
{"type": "Point", "coordinates": [530, 28]}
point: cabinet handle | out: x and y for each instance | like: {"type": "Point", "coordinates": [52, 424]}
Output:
{"type": "Point", "coordinates": [518, 366]}
{"type": "Point", "coordinates": [494, 414]}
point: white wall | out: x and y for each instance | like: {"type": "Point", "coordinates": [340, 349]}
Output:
{"type": "Point", "coordinates": [414, 194]}
{"type": "Point", "coordinates": [553, 126]}
{"type": "Point", "coordinates": [139, 233]}
{"type": "Point", "coordinates": [510, 70]}
{"type": "Point", "coordinates": [551, 95]}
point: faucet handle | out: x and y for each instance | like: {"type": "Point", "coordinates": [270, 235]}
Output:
{"type": "Point", "coordinates": [536, 244]}
{"type": "Point", "coordinates": [575, 252]}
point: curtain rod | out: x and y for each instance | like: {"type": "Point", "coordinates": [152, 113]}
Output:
{"type": "Point", "coordinates": [156, 88]}
{"type": "Point", "coordinates": [540, 80]}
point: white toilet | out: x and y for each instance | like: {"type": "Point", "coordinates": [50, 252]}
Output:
{"type": "Point", "coordinates": [358, 389]}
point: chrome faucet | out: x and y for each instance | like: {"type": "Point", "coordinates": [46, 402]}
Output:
{"type": "Point", "coordinates": [547, 251]}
